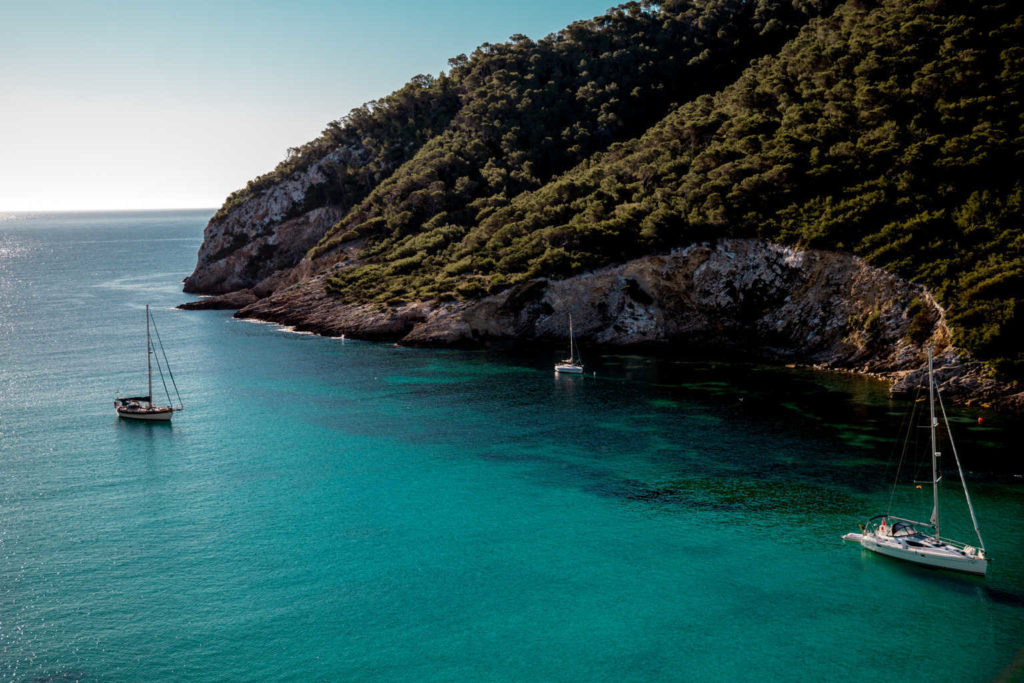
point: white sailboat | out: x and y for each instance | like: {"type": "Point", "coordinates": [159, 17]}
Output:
{"type": "Point", "coordinates": [142, 407]}
{"type": "Point", "coordinates": [574, 363]}
{"type": "Point", "coordinates": [903, 538]}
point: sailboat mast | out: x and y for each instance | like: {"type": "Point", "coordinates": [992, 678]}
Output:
{"type": "Point", "coordinates": [148, 354]}
{"type": "Point", "coordinates": [960, 469]}
{"type": "Point", "coordinates": [571, 356]}
{"type": "Point", "coordinates": [935, 459]}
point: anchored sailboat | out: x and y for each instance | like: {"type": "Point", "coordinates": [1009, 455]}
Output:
{"type": "Point", "coordinates": [142, 407]}
{"type": "Point", "coordinates": [574, 363]}
{"type": "Point", "coordinates": [901, 538]}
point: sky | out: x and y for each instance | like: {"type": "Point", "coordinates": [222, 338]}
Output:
{"type": "Point", "coordinates": [175, 104]}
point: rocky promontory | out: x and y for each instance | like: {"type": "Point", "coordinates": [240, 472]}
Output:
{"type": "Point", "coordinates": [825, 309]}
{"type": "Point", "coordinates": [609, 170]}
{"type": "Point", "coordinates": [269, 231]}
{"type": "Point", "coordinates": [807, 306]}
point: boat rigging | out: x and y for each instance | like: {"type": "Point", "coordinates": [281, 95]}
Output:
{"type": "Point", "coordinates": [142, 407]}
{"type": "Point", "coordinates": [903, 538]}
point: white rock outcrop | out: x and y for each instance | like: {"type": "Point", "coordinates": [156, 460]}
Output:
{"type": "Point", "coordinates": [268, 231]}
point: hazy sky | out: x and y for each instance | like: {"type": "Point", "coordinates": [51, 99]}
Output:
{"type": "Point", "coordinates": [173, 104]}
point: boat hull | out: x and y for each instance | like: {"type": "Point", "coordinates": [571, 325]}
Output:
{"type": "Point", "coordinates": [151, 417]}
{"type": "Point", "coordinates": [155, 414]}
{"type": "Point", "coordinates": [939, 557]}
{"type": "Point", "coordinates": [569, 369]}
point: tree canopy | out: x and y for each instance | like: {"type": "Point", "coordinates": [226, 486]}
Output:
{"type": "Point", "coordinates": [889, 129]}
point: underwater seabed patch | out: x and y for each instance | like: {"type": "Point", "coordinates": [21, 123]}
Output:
{"type": "Point", "coordinates": [413, 380]}
{"type": "Point", "coordinates": [470, 368]}
{"type": "Point", "coordinates": [741, 496]}
{"type": "Point", "coordinates": [858, 439]}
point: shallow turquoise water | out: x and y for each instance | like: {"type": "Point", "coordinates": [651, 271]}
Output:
{"type": "Point", "coordinates": [357, 511]}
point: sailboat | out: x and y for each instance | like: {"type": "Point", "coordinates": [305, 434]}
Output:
{"type": "Point", "coordinates": [574, 363]}
{"type": "Point", "coordinates": [904, 539]}
{"type": "Point", "coordinates": [142, 407]}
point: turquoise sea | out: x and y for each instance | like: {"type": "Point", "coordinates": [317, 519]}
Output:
{"type": "Point", "coordinates": [344, 510]}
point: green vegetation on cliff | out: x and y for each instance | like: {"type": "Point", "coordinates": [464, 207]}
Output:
{"type": "Point", "coordinates": [894, 132]}
{"type": "Point", "coordinates": [889, 129]}
{"type": "Point", "coordinates": [377, 138]}
{"type": "Point", "coordinates": [530, 110]}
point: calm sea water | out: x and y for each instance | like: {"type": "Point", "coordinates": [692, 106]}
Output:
{"type": "Point", "coordinates": [357, 511]}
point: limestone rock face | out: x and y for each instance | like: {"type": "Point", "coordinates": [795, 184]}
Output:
{"type": "Point", "coordinates": [962, 381]}
{"type": "Point", "coordinates": [267, 232]}
{"type": "Point", "coordinates": [826, 309]}
{"type": "Point", "coordinates": [808, 306]}
{"type": "Point", "coordinates": [742, 295]}
{"type": "Point", "coordinates": [306, 306]}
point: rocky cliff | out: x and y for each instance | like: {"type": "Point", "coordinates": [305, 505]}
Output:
{"type": "Point", "coordinates": [811, 306]}
{"type": "Point", "coordinates": [826, 309]}
{"type": "Point", "coordinates": [603, 151]}
{"type": "Point", "coordinates": [821, 308]}
{"type": "Point", "coordinates": [267, 232]}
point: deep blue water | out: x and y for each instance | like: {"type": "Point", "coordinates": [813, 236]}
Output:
{"type": "Point", "coordinates": [357, 511]}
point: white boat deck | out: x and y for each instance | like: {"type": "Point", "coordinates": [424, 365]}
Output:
{"type": "Point", "coordinates": [924, 550]}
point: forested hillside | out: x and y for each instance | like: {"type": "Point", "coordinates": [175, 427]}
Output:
{"type": "Point", "coordinates": [894, 132]}
{"type": "Point", "coordinates": [525, 110]}
{"type": "Point", "coordinates": [889, 129]}
{"type": "Point", "coordinates": [530, 110]}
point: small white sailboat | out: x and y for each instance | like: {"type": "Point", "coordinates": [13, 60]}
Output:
{"type": "Point", "coordinates": [142, 407]}
{"type": "Point", "coordinates": [903, 539]}
{"type": "Point", "coordinates": [574, 363]}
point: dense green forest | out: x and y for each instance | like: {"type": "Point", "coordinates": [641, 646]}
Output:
{"type": "Point", "coordinates": [532, 110]}
{"type": "Point", "coordinates": [526, 110]}
{"type": "Point", "coordinates": [894, 130]}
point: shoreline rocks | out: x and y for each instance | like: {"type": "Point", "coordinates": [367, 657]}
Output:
{"type": "Point", "coordinates": [822, 309]}
{"type": "Point", "coordinates": [232, 300]}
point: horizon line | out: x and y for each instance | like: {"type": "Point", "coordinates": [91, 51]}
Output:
{"type": "Point", "coordinates": [119, 210]}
